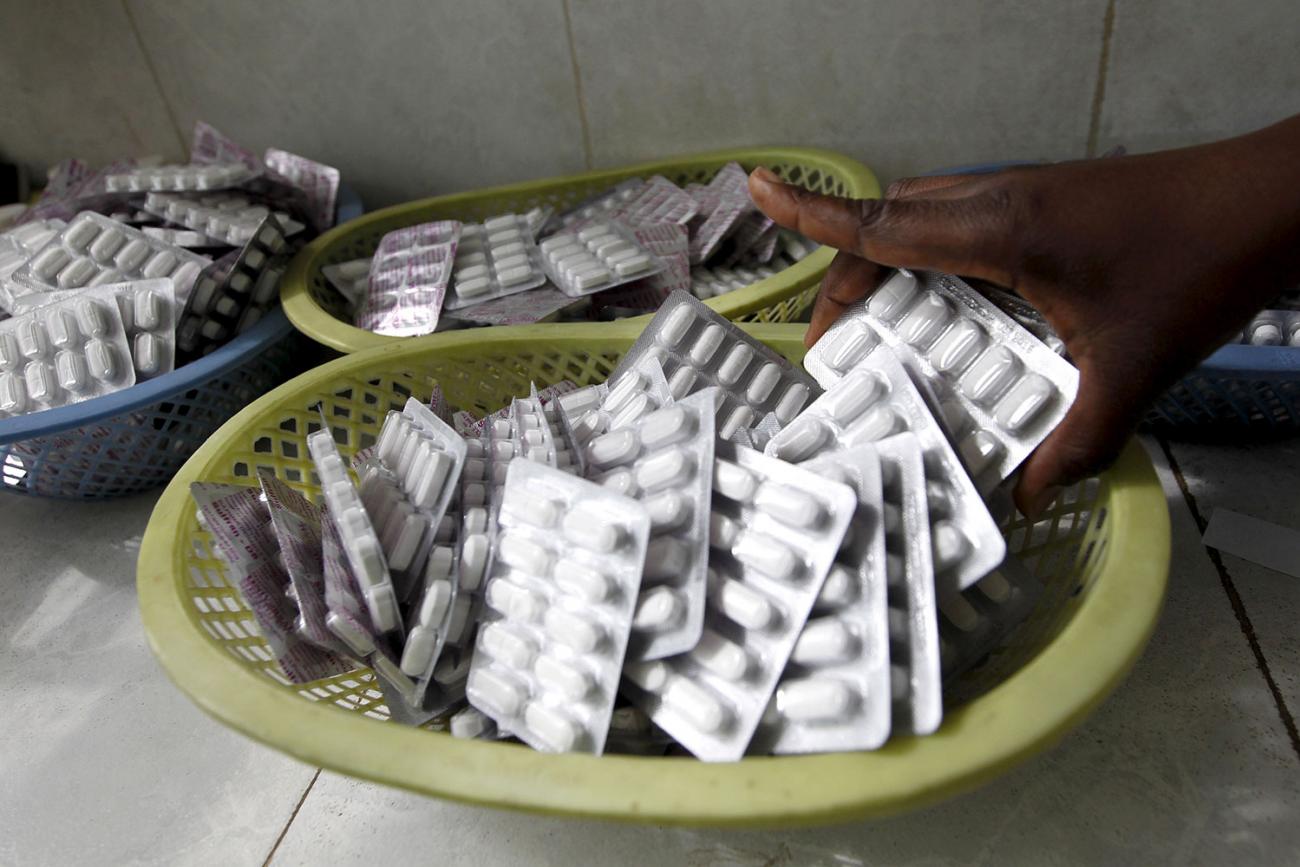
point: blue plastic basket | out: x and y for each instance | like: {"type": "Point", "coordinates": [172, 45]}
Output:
{"type": "Point", "coordinates": [137, 438]}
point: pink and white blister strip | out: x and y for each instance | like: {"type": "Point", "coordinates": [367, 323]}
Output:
{"type": "Point", "coordinates": [559, 609]}
{"type": "Point", "coordinates": [665, 461]}
{"type": "Point", "coordinates": [1002, 391]}
{"type": "Point", "coordinates": [409, 275]}
{"type": "Point", "coordinates": [223, 218]}
{"type": "Point", "coordinates": [210, 176]}
{"type": "Point", "coordinates": [775, 531]}
{"type": "Point", "coordinates": [835, 692]}
{"type": "Point", "coordinates": [878, 399]}
{"type": "Point", "coordinates": [319, 182]}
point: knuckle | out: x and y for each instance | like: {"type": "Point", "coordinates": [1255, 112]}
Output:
{"type": "Point", "coordinates": [900, 188]}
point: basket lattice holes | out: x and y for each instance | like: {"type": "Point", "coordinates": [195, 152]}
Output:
{"type": "Point", "coordinates": [562, 197]}
{"type": "Point", "coordinates": [1066, 549]}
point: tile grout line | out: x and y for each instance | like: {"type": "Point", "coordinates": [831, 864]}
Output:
{"type": "Point", "coordinates": [296, 807]}
{"type": "Point", "coordinates": [153, 74]}
{"type": "Point", "coordinates": [1103, 69]}
{"type": "Point", "coordinates": [1234, 598]}
{"type": "Point", "coordinates": [577, 87]}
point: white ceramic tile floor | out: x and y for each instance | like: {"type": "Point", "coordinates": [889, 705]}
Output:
{"type": "Point", "coordinates": [1189, 762]}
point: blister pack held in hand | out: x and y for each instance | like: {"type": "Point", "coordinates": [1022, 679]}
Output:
{"type": "Point", "coordinates": [560, 598]}
{"type": "Point", "coordinates": [1001, 390]}
{"type": "Point", "coordinates": [775, 530]}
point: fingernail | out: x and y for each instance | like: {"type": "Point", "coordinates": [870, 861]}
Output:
{"type": "Point", "coordinates": [1045, 498]}
{"type": "Point", "coordinates": [766, 175]}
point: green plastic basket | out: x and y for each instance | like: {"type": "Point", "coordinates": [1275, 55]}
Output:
{"type": "Point", "coordinates": [315, 309]}
{"type": "Point", "coordinates": [1103, 552]}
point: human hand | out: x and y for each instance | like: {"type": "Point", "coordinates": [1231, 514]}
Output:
{"type": "Point", "coordinates": [1143, 265]}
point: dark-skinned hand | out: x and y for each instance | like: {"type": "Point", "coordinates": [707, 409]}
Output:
{"type": "Point", "coordinates": [1144, 265]}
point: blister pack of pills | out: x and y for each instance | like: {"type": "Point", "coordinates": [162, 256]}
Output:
{"type": "Point", "coordinates": [659, 200]}
{"type": "Point", "coordinates": [408, 486]}
{"type": "Point", "coordinates": [241, 530]}
{"type": "Point", "coordinates": [726, 203]}
{"type": "Point", "coordinates": [775, 530]}
{"type": "Point", "coordinates": [598, 207]}
{"type": "Point", "coordinates": [595, 258]}
{"type": "Point", "coordinates": [92, 250]}
{"type": "Point", "coordinates": [494, 259]}
{"type": "Point", "coordinates": [711, 282]}
{"type": "Point", "coordinates": [224, 218]}
{"type": "Point", "coordinates": [1002, 391]}
{"type": "Point", "coordinates": [349, 279]}
{"type": "Point", "coordinates": [665, 461]}
{"type": "Point", "coordinates": [534, 437]}
{"type": "Point", "coordinates": [669, 242]}
{"type": "Point", "coordinates": [148, 310]}
{"type": "Point", "coordinates": [408, 281]}
{"type": "Point", "coordinates": [17, 245]}
{"type": "Point", "coordinates": [1272, 328]}
{"type": "Point", "coordinates": [318, 182]}
{"type": "Point", "coordinates": [227, 301]}
{"type": "Point", "coordinates": [62, 353]}
{"type": "Point", "coordinates": [876, 399]}
{"type": "Point", "coordinates": [349, 620]}
{"type": "Point", "coordinates": [547, 660]}
{"type": "Point", "coordinates": [915, 683]}
{"type": "Point", "coordinates": [835, 693]}
{"type": "Point", "coordinates": [975, 621]}
{"type": "Point", "coordinates": [202, 177]}
{"type": "Point", "coordinates": [296, 522]}
{"type": "Point", "coordinates": [697, 348]}
{"type": "Point", "coordinates": [187, 238]}
{"type": "Point", "coordinates": [358, 535]}
{"type": "Point", "coordinates": [1024, 313]}
{"type": "Point", "coordinates": [541, 304]}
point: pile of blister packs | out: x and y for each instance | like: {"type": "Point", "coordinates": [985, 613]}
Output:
{"type": "Point", "coordinates": [713, 551]}
{"type": "Point", "coordinates": [620, 253]}
{"type": "Point", "coordinates": [118, 276]}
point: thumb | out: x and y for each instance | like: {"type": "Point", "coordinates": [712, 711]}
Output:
{"type": "Point", "coordinates": [1087, 440]}
{"type": "Point", "coordinates": [971, 235]}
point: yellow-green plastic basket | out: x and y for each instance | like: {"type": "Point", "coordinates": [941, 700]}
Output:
{"type": "Point", "coordinates": [1103, 551]}
{"type": "Point", "coordinates": [314, 308]}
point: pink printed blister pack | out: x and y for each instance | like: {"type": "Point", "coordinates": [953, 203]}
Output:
{"type": "Point", "coordinates": [409, 276]}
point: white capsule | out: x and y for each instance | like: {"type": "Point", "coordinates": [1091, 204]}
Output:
{"type": "Point", "coordinates": [573, 683]}
{"type": "Point", "coordinates": [978, 451]}
{"type": "Point", "coordinates": [991, 375]}
{"type": "Point", "coordinates": [581, 580]}
{"type": "Point", "coordinates": [496, 694]}
{"type": "Point", "coordinates": [573, 630]}
{"type": "Point", "coordinates": [893, 297]}
{"type": "Point", "coordinates": [763, 382]}
{"type": "Point", "coordinates": [741, 416]}
{"type": "Point", "coordinates": [620, 481]}
{"type": "Point", "coordinates": [734, 481]}
{"type": "Point", "coordinates": [668, 510]}
{"type": "Point", "coordinates": [102, 360]}
{"type": "Point", "coordinates": [849, 346]}
{"type": "Point", "coordinates": [147, 309]}
{"type": "Point", "coordinates": [666, 426]}
{"type": "Point", "coordinates": [839, 589]}
{"type": "Point", "coordinates": [949, 544]}
{"type": "Point", "coordinates": [682, 380]}
{"type": "Point", "coordinates": [814, 699]}
{"type": "Point", "coordinates": [744, 605]}
{"type": "Point", "coordinates": [769, 556]}
{"type": "Point", "coordinates": [723, 657]}
{"type": "Point", "coordinates": [995, 587]}
{"type": "Point", "coordinates": [436, 570]}
{"type": "Point", "coordinates": [959, 612]}
{"type": "Point", "coordinates": [876, 424]}
{"type": "Point", "coordinates": [556, 732]}
{"type": "Point", "coordinates": [146, 353]}
{"type": "Point", "coordinates": [635, 409]}
{"type": "Point", "coordinates": [657, 608]}
{"type": "Point", "coordinates": [10, 355]}
{"type": "Point", "coordinates": [381, 601]}
{"type": "Point", "coordinates": [517, 603]}
{"type": "Point", "coordinates": [557, 242]}
{"type": "Point", "coordinates": [418, 651]}
{"type": "Point", "coordinates": [666, 558]}
{"type": "Point", "coordinates": [791, 402]}
{"type": "Point", "coordinates": [723, 532]}
{"type": "Point", "coordinates": [671, 468]}
{"type": "Point", "coordinates": [824, 641]}
{"type": "Point", "coordinates": [675, 326]}
{"type": "Point", "coordinates": [801, 440]}
{"type": "Point", "coordinates": [790, 505]}
{"type": "Point", "coordinates": [500, 642]}
{"type": "Point", "coordinates": [473, 561]}
{"type": "Point", "coordinates": [162, 264]}
{"type": "Point", "coordinates": [49, 262]}
{"type": "Point", "coordinates": [13, 394]}
{"type": "Point", "coordinates": [33, 341]}
{"type": "Point", "coordinates": [927, 318]}
{"type": "Point", "coordinates": [41, 382]}
{"type": "Point", "coordinates": [72, 372]}
{"type": "Point", "coordinates": [132, 255]}
{"type": "Point", "coordinates": [107, 244]}
{"type": "Point", "coordinates": [406, 542]}
{"type": "Point", "coordinates": [92, 318]}
{"type": "Point", "coordinates": [734, 364]}
{"type": "Point", "coordinates": [350, 634]}
{"type": "Point", "coordinates": [613, 448]}
{"type": "Point", "coordinates": [700, 706]}
{"type": "Point", "coordinates": [427, 484]}
{"type": "Point", "coordinates": [82, 231]}
{"type": "Point", "coordinates": [706, 344]}
{"type": "Point", "coordinates": [958, 347]}
{"type": "Point", "coordinates": [595, 532]}
{"type": "Point", "coordinates": [1024, 402]}
{"type": "Point", "coordinates": [77, 273]}
{"type": "Point", "coordinates": [853, 395]}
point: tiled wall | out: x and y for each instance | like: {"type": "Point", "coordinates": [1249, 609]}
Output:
{"type": "Point", "coordinates": [410, 98]}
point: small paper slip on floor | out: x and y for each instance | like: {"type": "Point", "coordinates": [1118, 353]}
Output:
{"type": "Point", "coordinates": [1261, 542]}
